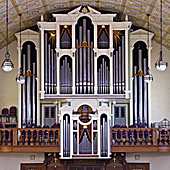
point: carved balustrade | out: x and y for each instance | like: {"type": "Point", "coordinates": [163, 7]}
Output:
{"type": "Point", "coordinates": [30, 136]}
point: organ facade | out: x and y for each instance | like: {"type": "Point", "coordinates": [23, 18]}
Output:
{"type": "Point", "coordinates": [86, 65]}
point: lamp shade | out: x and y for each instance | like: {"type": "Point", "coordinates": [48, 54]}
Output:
{"type": "Point", "coordinates": [7, 65]}
{"type": "Point", "coordinates": [148, 78]}
{"type": "Point", "coordinates": [20, 79]}
{"type": "Point", "coordinates": [161, 65]}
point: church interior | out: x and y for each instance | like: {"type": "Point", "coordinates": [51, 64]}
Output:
{"type": "Point", "coordinates": [84, 84]}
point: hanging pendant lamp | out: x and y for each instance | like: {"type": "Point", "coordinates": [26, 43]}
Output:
{"type": "Point", "coordinates": [7, 64]}
{"type": "Point", "coordinates": [20, 77]}
{"type": "Point", "coordinates": [148, 77]}
{"type": "Point", "coordinates": [161, 64]}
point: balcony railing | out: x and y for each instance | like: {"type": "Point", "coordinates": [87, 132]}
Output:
{"type": "Point", "coordinates": [124, 139]}
{"type": "Point", "coordinates": [48, 139]}
{"type": "Point", "coordinates": [28, 137]}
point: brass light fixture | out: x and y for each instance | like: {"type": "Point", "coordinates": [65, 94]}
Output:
{"type": "Point", "coordinates": [161, 64]}
{"type": "Point", "coordinates": [20, 77]}
{"type": "Point", "coordinates": [7, 64]}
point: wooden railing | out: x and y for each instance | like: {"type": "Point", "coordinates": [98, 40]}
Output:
{"type": "Point", "coordinates": [140, 136]}
{"type": "Point", "coordinates": [30, 136]}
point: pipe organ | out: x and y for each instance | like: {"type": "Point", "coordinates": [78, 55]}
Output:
{"type": "Point", "coordinates": [84, 57]}
{"type": "Point", "coordinates": [103, 75]}
{"type": "Point", "coordinates": [66, 135]}
{"type": "Point", "coordinates": [84, 62]}
{"type": "Point", "coordinates": [103, 135]}
{"type": "Point", "coordinates": [140, 87]}
{"type": "Point", "coordinates": [103, 36]}
{"type": "Point", "coordinates": [65, 75]}
{"type": "Point", "coordinates": [29, 88]}
{"type": "Point", "coordinates": [119, 62]}
{"type": "Point", "coordinates": [65, 36]}
{"type": "Point", "coordinates": [50, 69]}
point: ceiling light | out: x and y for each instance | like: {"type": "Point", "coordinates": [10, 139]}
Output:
{"type": "Point", "coordinates": [160, 64]}
{"type": "Point", "coordinates": [20, 77]}
{"type": "Point", "coordinates": [7, 64]}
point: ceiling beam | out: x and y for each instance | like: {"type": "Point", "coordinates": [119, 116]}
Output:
{"type": "Point", "coordinates": [46, 9]}
{"type": "Point", "coordinates": [122, 9]}
{"type": "Point", "coordinates": [166, 33]}
{"type": "Point", "coordinates": [71, 4]}
{"type": "Point", "coordinates": [19, 12]}
{"type": "Point", "coordinates": [149, 12]}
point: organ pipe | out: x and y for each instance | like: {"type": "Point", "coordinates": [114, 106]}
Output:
{"type": "Point", "coordinates": [55, 74]}
{"type": "Point", "coordinates": [88, 60]}
{"type": "Point", "coordinates": [33, 96]}
{"type": "Point", "coordinates": [140, 88]}
{"type": "Point", "coordinates": [92, 57]}
{"type": "Point", "coordinates": [77, 65]}
{"type": "Point", "coordinates": [23, 97]}
{"type": "Point", "coordinates": [135, 96]}
{"type": "Point", "coordinates": [46, 71]}
{"type": "Point", "coordinates": [114, 75]}
{"type": "Point", "coordinates": [52, 72]}
{"type": "Point", "coordinates": [117, 71]}
{"type": "Point", "coordinates": [49, 71]}
{"type": "Point", "coordinates": [28, 85]}
{"type": "Point", "coordinates": [120, 71]}
{"type": "Point", "coordinates": [80, 54]}
{"type": "Point", "coordinates": [123, 64]}
{"type": "Point", "coordinates": [84, 57]}
{"type": "Point", "coordinates": [145, 95]}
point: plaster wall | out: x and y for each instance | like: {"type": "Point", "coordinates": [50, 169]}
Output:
{"type": "Point", "coordinates": [156, 160]}
{"type": "Point", "coordinates": [13, 160]}
{"type": "Point", "coordinates": [8, 85]}
{"type": "Point", "coordinates": [160, 87]}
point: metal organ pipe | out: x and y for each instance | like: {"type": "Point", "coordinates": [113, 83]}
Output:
{"type": "Point", "coordinates": [88, 61]}
{"type": "Point", "coordinates": [64, 137]}
{"type": "Point", "coordinates": [66, 75]}
{"type": "Point", "coordinates": [80, 54]}
{"type": "Point", "coordinates": [52, 72]}
{"type": "Point", "coordinates": [92, 72]}
{"type": "Point", "coordinates": [77, 66]}
{"type": "Point", "coordinates": [123, 64]}
{"type": "Point", "coordinates": [103, 138]}
{"type": "Point", "coordinates": [120, 71]}
{"type": "Point", "coordinates": [49, 71]}
{"type": "Point", "coordinates": [28, 85]}
{"type": "Point", "coordinates": [145, 95]}
{"type": "Point", "coordinates": [55, 74]}
{"type": "Point", "coordinates": [33, 95]}
{"type": "Point", "coordinates": [117, 72]}
{"type": "Point", "coordinates": [135, 96]}
{"type": "Point", "coordinates": [140, 88]}
{"type": "Point", "coordinates": [84, 57]}
{"type": "Point", "coordinates": [46, 71]}
{"type": "Point", "coordinates": [23, 97]}
{"type": "Point", "coordinates": [114, 75]}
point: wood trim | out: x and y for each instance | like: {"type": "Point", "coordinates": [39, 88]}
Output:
{"type": "Point", "coordinates": [25, 166]}
{"type": "Point", "coordinates": [144, 166]}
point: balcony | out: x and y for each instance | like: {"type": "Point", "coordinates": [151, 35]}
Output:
{"type": "Point", "coordinates": [140, 139]}
{"type": "Point", "coordinates": [30, 140]}
{"type": "Point", "coordinates": [48, 140]}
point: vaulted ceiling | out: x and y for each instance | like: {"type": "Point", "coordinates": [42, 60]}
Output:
{"type": "Point", "coordinates": [136, 10]}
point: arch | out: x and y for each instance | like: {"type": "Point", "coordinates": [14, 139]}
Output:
{"type": "Point", "coordinates": [93, 109]}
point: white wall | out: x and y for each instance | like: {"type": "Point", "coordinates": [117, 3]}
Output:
{"type": "Point", "coordinates": [160, 94]}
{"type": "Point", "coordinates": [158, 161]}
{"type": "Point", "coordinates": [8, 85]}
{"type": "Point", "coordinates": [13, 160]}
